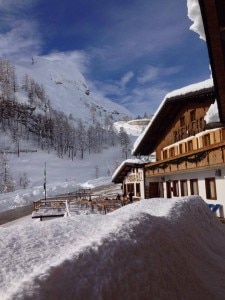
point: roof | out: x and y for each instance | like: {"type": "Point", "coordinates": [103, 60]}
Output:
{"type": "Point", "coordinates": [172, 104]}
{"type": "Point", "coordinates": [124, 168]}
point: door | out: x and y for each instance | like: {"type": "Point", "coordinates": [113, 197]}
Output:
{"type": "Point", "coordinates": [153, 190]}
{"type": "Point", "coordinates": [168, 189]}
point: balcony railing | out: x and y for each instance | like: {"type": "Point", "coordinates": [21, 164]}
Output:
{"type": "Point", "coordinates": [209, 156]}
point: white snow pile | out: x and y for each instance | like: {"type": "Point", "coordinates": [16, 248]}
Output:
{"type": "Point", "coordinates": [152, 249]}
{"type": "Point", "coordinates": [212, 114]}
{"type": "Point", "coordinates": [194, 15]}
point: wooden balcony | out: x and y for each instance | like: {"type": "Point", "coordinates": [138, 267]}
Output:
{"type": "Point", "coordinates": [209, 156]}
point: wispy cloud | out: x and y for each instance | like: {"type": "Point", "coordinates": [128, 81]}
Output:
{"type": "Point", "coordinates": [19, 36]}
{"type": "Point", "coordinates": [144, 99]}
{"type": "Point", "coordinates": [144, 31]}
{"type": "Point", "coordinates": [148, 75]}
{"type": "Point", "coordinates": [80, 59]}
{"type": "Point", "coordinates": [152, 73]}
{"type": "Point", "coordinates": [126, 78]}
{"type": "Point", "coordinates": [20, 41]}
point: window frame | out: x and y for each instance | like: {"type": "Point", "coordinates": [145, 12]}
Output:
{"type": "Point", "coordinates": [183, 188]}
{"type": "Point", "coordinates": [175, 188]}
{"type": "Point", "coordinates": [208, 189]}
{"type": "Point", "coordinates": [192, 189]}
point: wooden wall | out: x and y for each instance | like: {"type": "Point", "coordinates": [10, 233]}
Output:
{"type": "Point", "coordinates": [184, 126]}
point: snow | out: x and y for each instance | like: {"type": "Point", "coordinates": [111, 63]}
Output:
{"type": "Point", "coordinates": [63, 175]}
{"type": "Point", "coordinates": [127, 161]}
{"type": "Point", "coordinates": [212, 114]}
{"type": "Point", "coordinates": [194, 15]}
{"type": "Point", "coordinates": [129, 128]}
{"type": "Point", "coordinates": [151, 249]}
{"type": "Point", "coordinates": [179, 92]}
{"type": "Point", "coordinates": [66, 88]}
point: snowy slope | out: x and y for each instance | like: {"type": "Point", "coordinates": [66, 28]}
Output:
{"type": "Point", "coordinates": [68, 89]}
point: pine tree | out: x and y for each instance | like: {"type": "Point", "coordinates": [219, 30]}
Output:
{"type": "Point", "coordinates": [124, 141]}
{"type": "Point", "coordinates": [23, 180]}
{"type": "Point", "coordinates": [6, 180]}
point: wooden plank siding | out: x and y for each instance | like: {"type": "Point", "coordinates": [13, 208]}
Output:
{"type": "Point", "coordinates": [189, 122]}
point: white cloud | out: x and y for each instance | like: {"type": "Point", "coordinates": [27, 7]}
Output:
{"type": "Point", "coordinates": [19, 36]}
{"type": "Point", "coordinates": [14, 5]}
{"type": "Point", "coordinates": [126, 78]}
{"type": "Point", "coordinates": [20, 41]}
{"type": "Point", "coordinates": [152, 73]}
{"type": "Point", "coordinates": [80, 59]}
{"type": "Point", "coordinates": [144, 99]}
{"type": "Point", "coordinates": [148, 75]}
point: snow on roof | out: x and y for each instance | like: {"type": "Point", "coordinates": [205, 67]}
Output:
{"type": "Point", "coordinates": [126, 162]}
{"type": "Point", "coordinates": [179, 92]}
{"type": "Point", "coordinates": [136, 252]}
{"type": "Point", "coordinates": [212, 114]}
{"type": "Point", "coordinates": [194, 15]}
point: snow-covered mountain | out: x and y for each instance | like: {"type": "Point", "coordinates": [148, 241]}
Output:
{"type": "Point", "coordinates": [68, 91]}
{"type": "Point", "coordinates": [34, 136]}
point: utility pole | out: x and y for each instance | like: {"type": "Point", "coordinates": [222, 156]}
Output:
{"type": "Point", "coordinates": [45, 180]}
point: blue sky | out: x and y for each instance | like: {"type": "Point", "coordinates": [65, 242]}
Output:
{"type": "Point", "coordinates": [132, 52]}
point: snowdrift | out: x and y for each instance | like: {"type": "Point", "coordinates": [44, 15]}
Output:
{"type": "Point", "coordinates": [152, 249]}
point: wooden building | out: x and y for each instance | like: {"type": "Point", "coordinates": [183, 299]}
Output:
{"type": "Point", "coordinates": [190, 159]}
{"type": "Point", "coordinates": [131, 175]}
{"type": "Point", "coordinates": [190, 153]}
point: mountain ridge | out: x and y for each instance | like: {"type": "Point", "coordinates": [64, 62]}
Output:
{"type": "Point", "coordinates": [68, 90]}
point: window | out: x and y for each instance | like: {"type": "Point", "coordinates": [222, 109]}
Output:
{"type": "Point", "coordinates": [206, 140]}
{"type": "Point", "coordinates": [190, 145]}
{"type": "Point", "coordinates": [175, 188]}
{"type": "Point", "coordinates": [194, 186]}
{"type": "Point", "coordinates": [210, 187]}
{"type": "Point", "coordinates": [192, 115]}
{"type": "Point", "coordinates": [183, 188]}
{"type": "Point", "coordinates": [130, 187]}
{"type": "Point", "coordinates": [182, 121]}
{"type": "Point", "coordinates": [138, 194]}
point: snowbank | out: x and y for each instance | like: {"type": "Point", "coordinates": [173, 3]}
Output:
{"type": "Point", "coordinates": [152, 249]}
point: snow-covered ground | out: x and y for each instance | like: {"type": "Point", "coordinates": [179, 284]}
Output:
{"type": "Point", "coordinates": [151, 249]}
{"type": "Point", "coordinates": [62, 175]}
